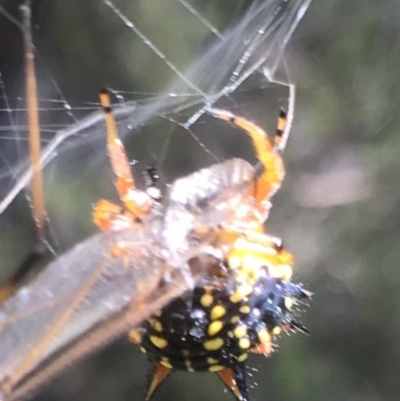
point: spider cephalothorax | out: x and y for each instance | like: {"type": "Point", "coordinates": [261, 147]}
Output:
{"type": "Point", "coordinates": [215, 216]}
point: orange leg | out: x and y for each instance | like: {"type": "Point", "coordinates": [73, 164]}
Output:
{"type": "Point", "coordinates": [109, 216]}
{"type": "Point", "coordinates": [138, 202]}
{"type": "Point", "coordinates": [267, 152]}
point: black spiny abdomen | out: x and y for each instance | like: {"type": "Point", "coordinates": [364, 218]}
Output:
{"type": "Point", "coordinates": [215, 326]}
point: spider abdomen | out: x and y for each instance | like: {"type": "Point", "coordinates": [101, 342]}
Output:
{"type": "Point", "coordinates": [206, 331]}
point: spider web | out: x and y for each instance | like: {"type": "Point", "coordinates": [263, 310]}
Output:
{"type": "Point", "coordinates": [166, 64]}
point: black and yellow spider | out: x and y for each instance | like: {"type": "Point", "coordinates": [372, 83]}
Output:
{"type": "Point", "coordinates": [205, 235]}
{"type": "Point", "coordinates": [247, 297]}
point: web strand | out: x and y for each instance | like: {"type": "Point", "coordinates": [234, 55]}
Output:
{"type": "Point", "coordinates": [253, 42]}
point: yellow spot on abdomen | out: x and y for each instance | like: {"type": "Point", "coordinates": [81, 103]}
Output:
{"type": "Point", "coordinates": [240, 331]}
{"type": "Point", "coordinates": [217, 312]}
{"type": "Point", "coordinates": [235, 319]}
{"type": "Point", "coordinates": [264, 336]}
{"type": "Point", "coordinates": [244, 309]}
{"type": "Point", "coordinates": [213, 345]}
{"type": "Point", "coordinates": [158, 326]}
{"type": "Point", "coordinates": [244, 343]}
{"type": "Point", "coordinates": [277, 330]}
{"type": "Point", "coordinates": [215, 327]}
{"type": "Point", "coordinates": [166, 363]}
{"type": "Point", "coordinates": [206, 300]}
{"type": "Point", "coordinates": [159, 342]}
{"type": "Point", "coordinates": [215, 368]}
{"type": "Point", "coordinates": [188, 365]}
{"type": "Point", "coordinates": [212, 361]}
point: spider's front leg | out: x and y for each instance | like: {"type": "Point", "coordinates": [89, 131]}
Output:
{"type": "Point", "coordinates": [109, 216]}
{"type": "Point", "coordinates": [137, 204]}
{"type": "Point", "coordinates": [268, 152]}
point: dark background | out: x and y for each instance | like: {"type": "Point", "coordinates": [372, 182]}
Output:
{"type": "Point", "coordinates": [338, 210]}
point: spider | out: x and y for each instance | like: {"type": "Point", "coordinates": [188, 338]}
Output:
{"type": "Point", "coordinates": [205, 235]}
{"type": "Point", "coordinates": [247, 297]}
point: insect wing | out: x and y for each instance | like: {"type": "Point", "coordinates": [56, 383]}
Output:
{"type": "Point", "coordinates": [206, 199]}
{"type": "Point", "coordinates": [78, 293]}
{"type": "Point", "coordinates": [212, 195]}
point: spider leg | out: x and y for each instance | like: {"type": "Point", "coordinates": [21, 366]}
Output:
{"type": "Point", "coordinates": [137, 202]}
{"type": "Point", "coordinates": [267, 152]}
{"type": "Point", "coordinates": [280, 129]}
{"type": "Point", "coordinates": [235, 379]}
{"type": "Point", "coordinates": [109, 216]}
